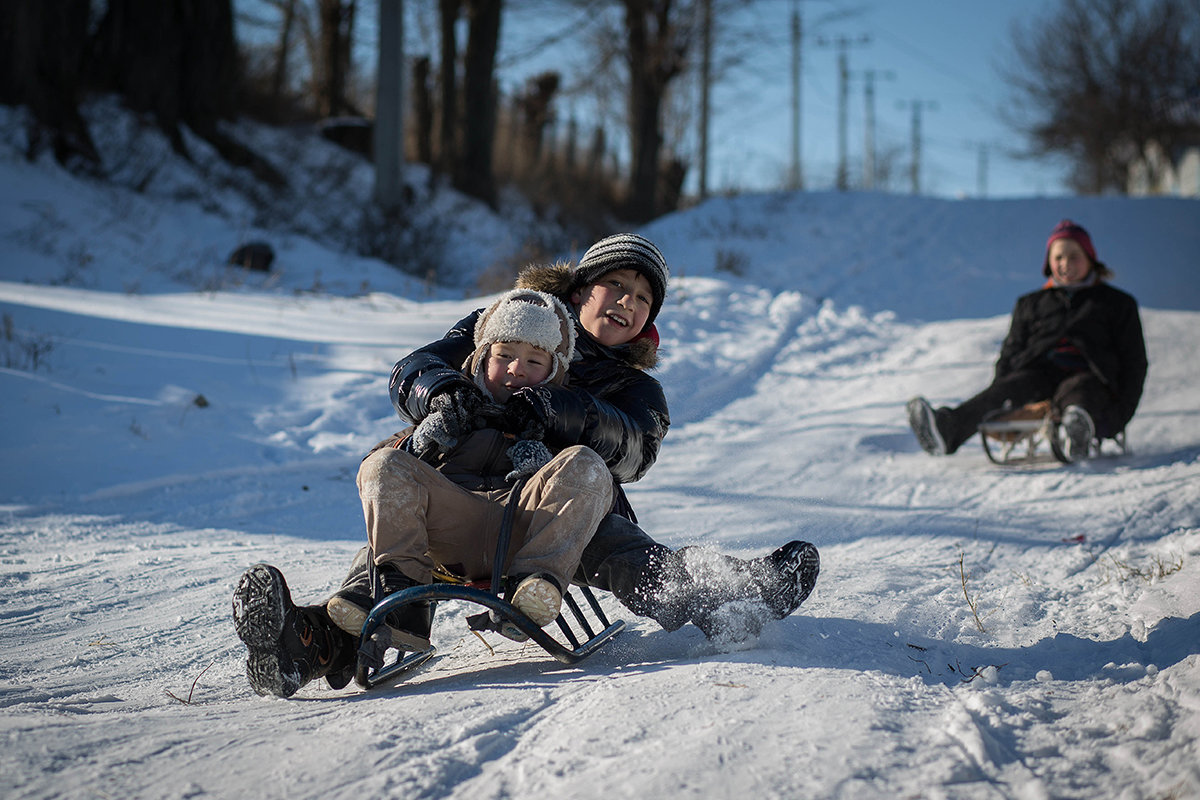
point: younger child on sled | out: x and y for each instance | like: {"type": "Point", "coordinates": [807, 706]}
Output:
{"type": "Point", "coordinates": [434, 497]}
{"type": "Point", "coordinates": [431, 497]}
{"type": "Point", "coordinates": [1077, 342]}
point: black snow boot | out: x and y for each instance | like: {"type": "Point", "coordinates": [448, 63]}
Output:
{"type": "Point", "coordinates": [409, 625]}
{"type": "Point", "coordinates": [288, 645]}
{"type": "Point", "coordinates": [734, 599]}
{"type": "Point", "coordinates": [927, 425]}
{"type": "Point", "coordinates": [786, 578]}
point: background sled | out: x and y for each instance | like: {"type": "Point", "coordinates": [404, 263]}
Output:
{"type": "Point", "coordinates": [1031, 435]}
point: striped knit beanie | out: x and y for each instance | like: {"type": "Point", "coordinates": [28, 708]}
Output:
{"type": "Point", "coordinates": [625, 251]}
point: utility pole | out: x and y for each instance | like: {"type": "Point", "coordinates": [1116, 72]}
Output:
{"type": "Point", "coordinates": [843, 45]}
{"type": "Point", "coordinates": [981, 174]}
{"type": "Point", "coordinates": [796, 181]}
{"type": "Point", "coordinates": [917, 107]}
{"type": "Point", "coordinates": [389, 106]}
{"type": "Point", "coordinates": [705, 87]}
{"type": "Point", "coordinates": [869, 125]}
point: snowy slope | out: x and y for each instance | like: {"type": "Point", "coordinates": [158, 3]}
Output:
{"type": "Point", "coordinates": [129, 508]}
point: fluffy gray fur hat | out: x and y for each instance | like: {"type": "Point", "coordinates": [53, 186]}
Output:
{"type": "Point", "coordinates": [525, 315]}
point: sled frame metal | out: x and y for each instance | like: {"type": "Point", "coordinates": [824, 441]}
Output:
{"type": "Point", "coordinates": [1003, 439]}
{"type": "Point", "coordinates": [370, 671]}
{"type": "Point", "coordinates": [582, 640]}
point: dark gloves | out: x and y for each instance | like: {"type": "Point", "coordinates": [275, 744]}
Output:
{"type": "Point", "coordinates": [527, 412]}
{"type": "Point", "coordinates": [452, 415]}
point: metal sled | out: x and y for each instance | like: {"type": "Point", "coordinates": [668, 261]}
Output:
{"type": "Point", "coordinates": [371, 671]}
{"type": "Point", "coordinates": [1022, 436]}
{"type": "Point", "coordinates": [581, 640]}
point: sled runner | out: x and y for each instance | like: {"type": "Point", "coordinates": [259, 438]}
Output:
{"type": "Point", "coordinates": [1031, 435]}
{"type": "Point", "coordinates": [371, 673]}
{"type": "Point", "coordinates": [581, 640]}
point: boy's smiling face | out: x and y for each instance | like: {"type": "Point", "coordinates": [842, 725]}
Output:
{"type": "Point", "coordinates": [515, 365]}
{"type": "Point", "coordinates": [615, 308]}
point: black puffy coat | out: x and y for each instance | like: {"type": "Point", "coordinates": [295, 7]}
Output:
{"type": "Point", "coordinates": [609, 403]}
{"type": "Point", "coordinates": [1100, 320]}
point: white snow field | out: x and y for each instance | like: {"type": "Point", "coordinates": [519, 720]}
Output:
{"type": "Point", "coordinates": [976, 632]}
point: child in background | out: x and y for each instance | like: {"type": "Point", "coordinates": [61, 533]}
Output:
{"type": "Point", "coordinates": [1077, 342]}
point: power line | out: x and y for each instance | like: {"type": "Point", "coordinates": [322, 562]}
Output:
{"type": "Point", "coordinates": [869, 170]}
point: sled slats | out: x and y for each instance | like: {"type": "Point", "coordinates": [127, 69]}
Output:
{"type": "Point", "coordinates": [368, 678]}
{"type": "Point", "coordinates": [575, 610]}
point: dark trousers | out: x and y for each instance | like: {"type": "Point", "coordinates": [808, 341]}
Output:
{"type": "Point", "coordinates": [1063, 389]}
{"type": "Point", "coordinates": [648, 578]}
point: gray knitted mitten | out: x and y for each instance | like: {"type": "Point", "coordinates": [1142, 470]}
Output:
{"type": "Point", "coordinates": [527, 457]}
{"type": "Point", "coordinates": [433, 435]}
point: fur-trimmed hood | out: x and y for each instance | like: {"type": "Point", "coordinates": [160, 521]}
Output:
{"type": "Point", "coordinates": [558, 279]}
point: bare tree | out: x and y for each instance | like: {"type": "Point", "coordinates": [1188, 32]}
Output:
{"type": "Point", "coordinates": [331, 61]}
{"type": "Point", "coordinates": [474, 175]}
{"type": "Point", "coordinates": [1095, 80]}
{"type": "Point", "coordinates": [658, 34]}
{"type": "Point", "coordinates": [535, 105]}
{"type": "Point", "coordinates": [42, 48]}
{"type": "Point", "coordinates": [448, 77]}
{"type": "Point", "coordinates": [422, 109]}
{"type": "Point", "coordinates": [287, 8]}
{"type": "Point", "coordinates": [174, 59]}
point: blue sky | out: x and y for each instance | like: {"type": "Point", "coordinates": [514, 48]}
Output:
{"type": "Point", "coordinates": [943, 55]}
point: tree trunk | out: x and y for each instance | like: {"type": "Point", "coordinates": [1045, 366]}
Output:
{"type": "Point", "coordinates": [474, 176]}
{"type": "Point", "coordinates": [653, 62]}
{"type": "Point", "coordinates": [42, 66]}
{"type": "Point", "coordinates": [174, 59]}
{"type": "Point", "coordinates": [447, 136]}
{"type": "Point", "coordinates": [336, 37]}
{"type": "Point", "coordinates": [282, 52]}
{"type": "Point", "coordinates": [389, 107]}
{"type": "Point", "coordinates": [423, 110]}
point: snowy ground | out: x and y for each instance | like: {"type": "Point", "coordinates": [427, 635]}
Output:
{"type": "Point", "coordinates": [976, 632]}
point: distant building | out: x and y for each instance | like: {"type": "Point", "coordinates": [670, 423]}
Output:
{"type": "Point", "coordinates": [1160, 173]}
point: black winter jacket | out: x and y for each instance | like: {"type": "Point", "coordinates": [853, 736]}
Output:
{"type": "Point", "coordinates": [609, 403]}
{"type": "Point", "coordinates": [1100, 320]}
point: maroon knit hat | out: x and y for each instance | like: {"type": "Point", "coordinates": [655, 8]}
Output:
{"type": "Point", "coordinates": [1069, 230]}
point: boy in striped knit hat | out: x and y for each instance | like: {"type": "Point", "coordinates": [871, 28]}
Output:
{"type": "Point", "coordinates": [611, 407]}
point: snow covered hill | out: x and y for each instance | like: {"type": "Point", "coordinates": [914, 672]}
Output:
{"type": "Point", "coordinates": [976, 632]}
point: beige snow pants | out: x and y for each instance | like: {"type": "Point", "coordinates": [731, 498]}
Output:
{"type": "Point", "coordinates": [416, 516]}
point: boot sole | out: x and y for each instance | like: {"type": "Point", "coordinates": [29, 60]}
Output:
{"type": "Point", "coordinates": [923, 422]}
{"type": "Point", "coordinates": [800, 565]}
{"type": "Point", "coordinates": [259, 607]}
{"type": "Point", "coordinates": [260, 604]}
{"type": "Point", "coordinates": [539, 600]}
